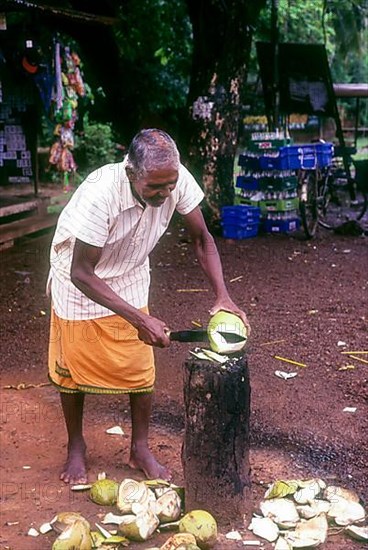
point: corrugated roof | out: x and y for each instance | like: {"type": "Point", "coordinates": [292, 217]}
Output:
{"type": "Point", "coordinates": [56, 11]}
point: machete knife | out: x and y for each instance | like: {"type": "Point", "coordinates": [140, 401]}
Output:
{"type": "Point", "coordinates": [197, 335]}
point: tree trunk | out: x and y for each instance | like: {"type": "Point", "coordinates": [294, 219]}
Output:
{"type": "Point", "coordinates": [221, 51]}
{"type": "Point", "coordinates": [216, 440]}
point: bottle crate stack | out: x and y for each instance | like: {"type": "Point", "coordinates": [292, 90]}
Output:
{"type": "Point", "coordinates": [267, 185]}
{"type": "Point", "coordinates": [240, 221]}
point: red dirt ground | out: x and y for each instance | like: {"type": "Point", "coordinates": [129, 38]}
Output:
{"type": "Point", "coordinates": [302, 298]}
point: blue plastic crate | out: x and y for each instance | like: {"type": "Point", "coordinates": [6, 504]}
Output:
{"type": "Point", "coordinates": [246, 231]}
{"type": "Point", "coordinates": [281, 226]}
{"type": "Point", "coordinates": [294, 157]}
{"type": "Point", "coordinates": [250, 183]}
{"type": "Point", "coordinates": [249, 161]}
{"type": "Point", "coordinates": [279, 182]}
{"type": "Point", "coordinates": [290, 157]}
{"type": "Point", "coordinates": [240, 213]}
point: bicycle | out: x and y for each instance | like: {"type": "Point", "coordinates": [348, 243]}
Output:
{"type": "Point", "coordinates": [329, 198]}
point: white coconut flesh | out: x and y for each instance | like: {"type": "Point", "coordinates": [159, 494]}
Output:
{"type": "Point", "coordinates": [311, 533]}
{"type": "Point", "coordinates": [314, 509]}
{"type": "Point", "coordinates": [168, 506]}
{"type": "Point", "coordinates": [345, 512]}
{"type": "Point", "coordinates": [265, 528]}
{"type": "Point", "coordinates": [141, 527]}
{"type": "Point", "coordinates": [132, 494]}
{"type": "Point", "coordinates": [282, 512]}
{"type": "Point", "coordinates": [358, 533]}
{"type": "Point", "coordinates": [282, 544]}
{"type": "Point", "coordinates": [76, 535]}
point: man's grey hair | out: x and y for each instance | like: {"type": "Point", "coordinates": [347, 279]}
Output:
{"type": "Point", "coordinates": [152, 149]}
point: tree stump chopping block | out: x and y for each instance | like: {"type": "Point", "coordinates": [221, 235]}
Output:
{"type": "Point", "coordinates": [215, 453]}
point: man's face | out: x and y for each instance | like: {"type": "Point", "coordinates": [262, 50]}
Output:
{"type": "Point", "coordinates": [156, 186]}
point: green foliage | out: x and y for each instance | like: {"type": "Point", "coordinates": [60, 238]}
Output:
{"type": "Point", "coordinates": [339, 24]}
{"type": "Point", "coordinates": [154, 41]}
{"type": "Point", "coordinates": [94, 148]}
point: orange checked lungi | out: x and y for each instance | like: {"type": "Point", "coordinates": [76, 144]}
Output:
{"type": "Point", "coordinates": [101, 355]}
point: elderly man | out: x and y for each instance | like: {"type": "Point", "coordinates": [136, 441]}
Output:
{"type": "Point", "coordinates": [101, 333]}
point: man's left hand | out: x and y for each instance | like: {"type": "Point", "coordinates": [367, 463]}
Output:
{"type": "Point", "coordinates": [228, 305]}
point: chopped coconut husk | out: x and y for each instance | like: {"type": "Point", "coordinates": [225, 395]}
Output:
{"type": "Point", "coordinates": [81, 487]}
{"type": "Point", "coordinates": [63, 519]}
{"type": "Point", "coordinates": [116, 519]}
{"type": "Point", "coordinates": [141, 527]}
{"type": "Point", "coordinates": [283, 544]}
{"type": "Point", "coordinates": [283, 512]}
{"type": "Point", "coordinates": [149, 503]}
{"type": "Point", "coordinates": [315, 481]}
{"type": "Point", "coordinates": [334, 493]}
{"type": "Point", "coordinates": [357, 533]}
{"type": "Point", "coordinates": [214, 356]}
{"type": "Point", "coordinates": [170, 526]}
{"type": "Point", "coordinates": [74, 536]}
{"type": "Point", "coordinates": [280, 489]}
{"type": "Point", "coordinates": [308, 490]}
{"type": "Point", "coordinates": [115, 541]}
{"type": "Point", "coordinates": [265, 528]}
{"type": "Point", "coordinates": [312, 532]}
{"type": "Point", "coordinates": [180, 540]}
{"type": "Point", "coordinates": [345, 512]}
{"type": "Point", "coordinates": [157, 483]}
{"type": "Point", "coordinates": [45, 528]}
{"type": "Point", "coordinates": [97, 539]}
{"type": "Point", "coordinates": [168, 506]}
{"type": "Point", "coordinates": [132, 494]}
{"type": "Point", "coordinates": [314, 508]}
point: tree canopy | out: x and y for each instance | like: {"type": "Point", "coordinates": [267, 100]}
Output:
{"type": "Point", "coordinates": [184, 66]}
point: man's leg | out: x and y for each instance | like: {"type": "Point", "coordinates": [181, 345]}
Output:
{"type": "Point", "coordinates": [75, 466]}
{"type": "Point", "coordinates": [140, 455]}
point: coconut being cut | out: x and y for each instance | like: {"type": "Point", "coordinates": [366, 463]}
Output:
{"type": "Point", "coordinates": [224, 323]}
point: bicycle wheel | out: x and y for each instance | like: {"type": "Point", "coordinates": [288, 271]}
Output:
{"type": "Point", "coordinates": [308, 203]}
{"type": "Point", "coordinates": [341, 205]}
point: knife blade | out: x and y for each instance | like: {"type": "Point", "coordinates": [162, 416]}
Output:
{"type": "Point", "coordinates": [198, 335]}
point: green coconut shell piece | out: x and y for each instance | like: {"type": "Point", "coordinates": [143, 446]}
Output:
{"type": "Point", "coordinates": [64, 519]}
{"type": "Point", "coordinates": [104, 492]}
{"type": "Point", "coordinates": [74, 537]}
{"type": "Point", "coordinates": [202, 525]}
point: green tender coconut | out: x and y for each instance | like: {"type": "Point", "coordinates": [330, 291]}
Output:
{"type": "Point", "coordinates": [223, 321]}
{"type": "Point", "coordinates": [64, 519]}
{"type": "Point", "coordinates": [181, 541]}
{"type": "Point", "coordinates": [75, 536]}
{"type": "Point", "coordinates": [104, 492]}
{"type": "Point", "coordinates": [202, 525]}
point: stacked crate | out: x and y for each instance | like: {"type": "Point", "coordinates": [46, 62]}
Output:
{"type": "Point", "coordinates": [240, 221]}
{"type": "Point", "coordinates": [276, 196]}
{"type": "Point", "coordinates": [267, 186]}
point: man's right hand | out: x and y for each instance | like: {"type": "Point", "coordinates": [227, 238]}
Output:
{"type": "Point", "coordinates": [154, 332]}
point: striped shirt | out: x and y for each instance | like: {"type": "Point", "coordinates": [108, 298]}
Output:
{"type": "Point", "coordinates": [104, 213]}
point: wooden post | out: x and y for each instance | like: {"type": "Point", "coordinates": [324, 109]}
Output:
{"type": "Point", "coordinates": [215, 454]}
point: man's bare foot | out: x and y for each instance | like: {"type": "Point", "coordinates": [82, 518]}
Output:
{"type": "Point", "coordinates": [141, 458]}
{"type": "Point", "coordinates": [75, 471]}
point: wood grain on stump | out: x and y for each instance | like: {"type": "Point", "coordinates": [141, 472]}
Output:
{"type": "Point", "coordinates": [215, 452]}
